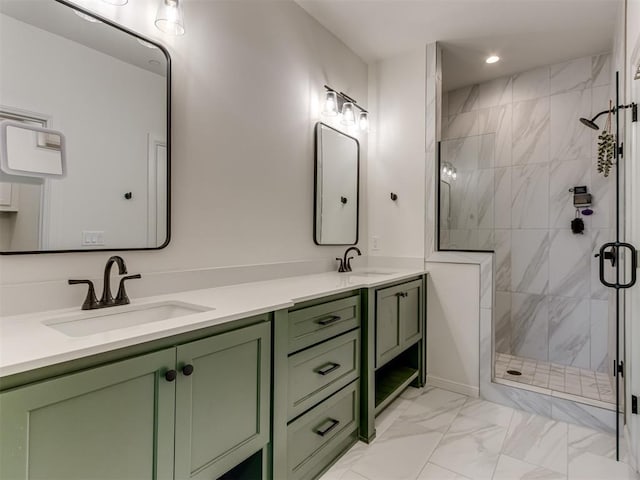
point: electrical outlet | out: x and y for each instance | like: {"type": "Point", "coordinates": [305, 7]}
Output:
{"type": "Point", "coordinates": [375, 243]}
{"type": "Point", "coordinates": [92, 238]}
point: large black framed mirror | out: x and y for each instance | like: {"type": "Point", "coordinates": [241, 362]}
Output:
{"type": "Point", "coordinates": [106, 90]}
{"type": "Point", "coordinates": [337, 187]}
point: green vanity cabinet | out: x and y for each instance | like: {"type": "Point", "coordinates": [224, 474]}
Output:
{"type": "Point", "coordinates": [393, 346]}
{"type": "Point", "coordinates": [110, 422]}
{"type": "Point", "coordinates": [316, 385]}
{"type": "Point", "coordinates": [398, 319]}
{"type": "Point", "coordinates": [223, 405]}
{"type": "Point", "coordinates": [191, 411]}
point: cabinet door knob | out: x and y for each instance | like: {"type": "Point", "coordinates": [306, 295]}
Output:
{"type": "Point", "coordinates": [170, 375]}
{"type": "Point", "coordinates": [187, 370]}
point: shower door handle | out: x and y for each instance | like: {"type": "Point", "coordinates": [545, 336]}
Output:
{"type": "Point", "coordinates": [612, 255]}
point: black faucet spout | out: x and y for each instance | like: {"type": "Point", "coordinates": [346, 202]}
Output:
{"type": "Point", "coordinates": [107, 298]}
{"type": "Point", "coordinates": [347, 259]}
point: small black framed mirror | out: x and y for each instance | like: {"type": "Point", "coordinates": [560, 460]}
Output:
{"type": "Point", "coordinates": [337, 187]}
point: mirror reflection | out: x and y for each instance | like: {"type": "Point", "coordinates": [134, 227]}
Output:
{"type": "Point", "coordinates": [105, 92]}
{"type": "Point", "coordinates": [336, 201]}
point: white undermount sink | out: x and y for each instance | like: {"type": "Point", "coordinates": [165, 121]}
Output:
{"type": "Point", "coordinates": [112, 318]}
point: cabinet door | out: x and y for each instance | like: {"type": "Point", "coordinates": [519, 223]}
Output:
{"type": "Point", "coordinates": [222, 407]}
{"type": "Point", "coordinates": [410, 312]}
{"type": "Point", "coordinates": [388, 339]}
{"type": "Point", "coordinates": [111, 422]}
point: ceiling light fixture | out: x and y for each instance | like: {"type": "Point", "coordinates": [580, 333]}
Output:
{"type": "Point", "coordinates": [492, 59]}
{"type": "Point", "coordinates": [341, 102]}
{"type": "Point", "coordinates": [118, 3]}
{"type": "Point", "coordinates": [169, 18]}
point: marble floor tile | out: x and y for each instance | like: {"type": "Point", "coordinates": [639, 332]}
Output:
{"type": "Point", "coordinates": [585, 440]}
{"type": "Point", "coordinates": [400, 453]}
{"type": "Point", "coordinates": [487, 411]}
{"type": "Point", "coordinates": [537, 440]}
{"type": "Point", "coordinates": [435, 409]}
{"type": "Point", "coordinates": [509, 468]}
{"type": "Point", "coordinates": [485, 441]}
{"type": "Point", "coordinates": [587, 466]}
{"type": "Point", "coordinates": [434, 472]}
{"type": "Point", "coordinates": [471, 447]}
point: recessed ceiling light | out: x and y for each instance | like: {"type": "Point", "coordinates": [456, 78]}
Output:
{"type": "Point", "coordinates": [492, 59]}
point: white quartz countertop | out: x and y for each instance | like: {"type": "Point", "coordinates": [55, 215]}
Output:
{"type": "Point", "coordinates": [27, 343]}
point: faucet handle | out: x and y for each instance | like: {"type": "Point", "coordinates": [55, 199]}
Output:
{"type": "Point", "coordinates": [90, 302]}
{"type": "Point", "coordinates": [341, 268]}
{"type": "Point", "coordinates": [347, 267]}
{"type": "Point", "coordinates": [121, 296]}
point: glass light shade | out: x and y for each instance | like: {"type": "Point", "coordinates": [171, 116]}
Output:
{"type": "Point", "coordinates": [454, 175]}
{"type": "Point", "coordinates": [169, 18]}
{"type": "Point", "coordinates": [348, 114]}
{"type": "Point", "coordinates": [118, 3]}
{"type": "Point", "coordinates": [330, 104]}
{"type": "Point", "coordinates": [444, 169]}
{"type": "Point", "coordinates": [363, 121]}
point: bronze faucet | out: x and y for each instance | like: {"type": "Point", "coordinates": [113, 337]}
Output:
{"type": "Point", "coordinates": [107, 300]}
{"type": "Point", "coordinates": [345, 263]}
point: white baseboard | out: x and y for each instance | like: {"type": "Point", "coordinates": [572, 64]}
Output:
{"type": "Point", "coordinates": [452, 386]}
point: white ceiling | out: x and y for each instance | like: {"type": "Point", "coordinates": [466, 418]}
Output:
{"type": "Point", "coordinates": [524, 33]}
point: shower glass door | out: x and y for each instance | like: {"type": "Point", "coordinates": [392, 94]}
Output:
{"type": "Point", "coordinates": [622, 257]}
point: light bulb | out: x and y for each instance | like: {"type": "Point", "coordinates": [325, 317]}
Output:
{"type": "Point", "coordinates": [348, 115]}
{"type": "Point", "coordinates": [363, 121]}
{"type": "Point", "coordinates": [492, 59]}
{"type": "Point", "coordinates": [330, 104]}
{"type": "Point", "coordinates": [169, 18]}
{"type": "Point", "coordinates": [118, 3]}
{"type": "Point", "coordinates": [454, 175]}
{"type": "Point", "coordinates": [444, 169]}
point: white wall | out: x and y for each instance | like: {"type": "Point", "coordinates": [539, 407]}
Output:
{"type": "Point", "coordinates": [247, 79]}
{"type": "Point", "coordinates": [453, 328]}
{"type": "Point", "coordinates": [397, 155]}
{"type": "Point", "coordinates": [106, 112]}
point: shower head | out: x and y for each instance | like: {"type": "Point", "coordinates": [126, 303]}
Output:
{"type": "Point", "coordinates": [589, 123]}
{"type": "Point", "coordinates": [592, 123]}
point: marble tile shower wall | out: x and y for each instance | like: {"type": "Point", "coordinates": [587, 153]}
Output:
{"type": "Point", "coordinates": [518, 147]}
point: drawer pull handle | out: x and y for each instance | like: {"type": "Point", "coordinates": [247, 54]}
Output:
{"type": "Point", "coordinates": [402, 294]}
{"type": "Point", "coordinates": [334, 424]}
{"type": "Point", "coordinates": [328, 368]}
{"type": "Point", "coordinates": [329, 320]}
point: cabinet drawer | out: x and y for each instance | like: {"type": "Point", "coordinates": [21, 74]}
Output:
{"type": "Point", "coordinates": [312, 437]}
{"type": "Point", "coordinates": [312, 325]}
{"type": "Point", "coordinates": [317, 372]}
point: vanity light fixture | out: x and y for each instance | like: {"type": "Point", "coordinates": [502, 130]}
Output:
{"type": "Point", "coordinates": [169, 18]}
{"type": "Point", "coordinates": [363, 121]}
{"type": "Point", "coordinates": [492, 59]}
{"type": "Point", "coordinates": [449, 172]}
{"type": "Point", "coordinates": [348, 115]}
{"type": "Point", "coordinates": [341, 102]}
{"type": "Point", "coordinates": [330, 104]}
